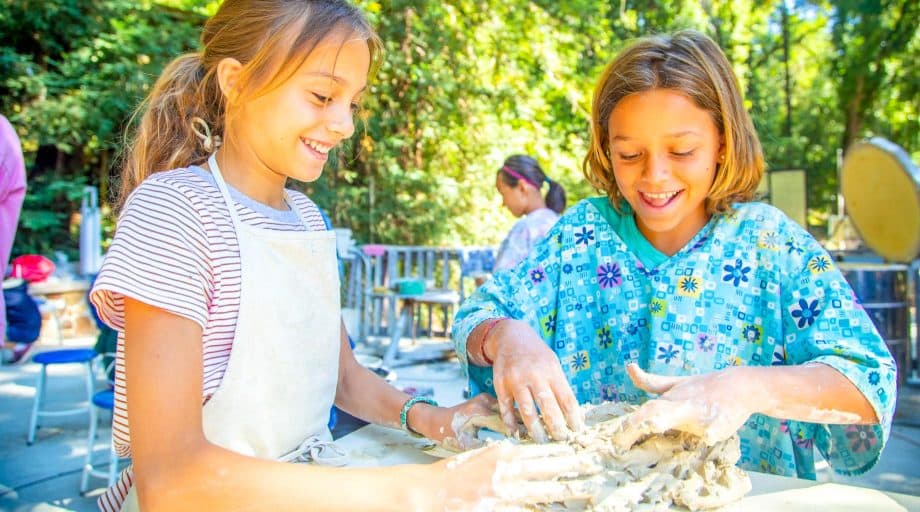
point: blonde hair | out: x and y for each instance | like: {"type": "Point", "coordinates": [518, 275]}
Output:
{"type": "Point", "coordinates": [183, 117]}
{"type": "Point", "coordinates": [692, 64]}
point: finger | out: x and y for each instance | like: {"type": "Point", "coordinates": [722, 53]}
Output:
{"type": "Point", "coordinates": [492, 422]}
{"type": "Point", "coordinates": [551, 413]}
{"type": "Point", "coordinates": [653, 417]}
{"type": "Point", "coordinates": [574, 415]}
{"type": "Point", "coordinates": [486, 401]}
{"type": "Point", "coordinates": [657, 384]}
{"type": "Point", "coordinates": [505, 401]}
{"type": "Point", "coordinates": [560, 467]}
{"type": "Point", "coordinates": [528, 411]}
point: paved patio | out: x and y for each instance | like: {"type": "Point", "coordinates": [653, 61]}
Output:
{"type": "Point", "coordinates": [46, 475]}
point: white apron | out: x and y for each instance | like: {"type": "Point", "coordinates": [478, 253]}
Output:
{"type": "Point", "coordinates": [274, 399]}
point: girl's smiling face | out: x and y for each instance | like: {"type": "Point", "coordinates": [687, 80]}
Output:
{"type": "Point", "coordinates": [291, 128]}
{"type": "Point", "coordinates": [664, 150]}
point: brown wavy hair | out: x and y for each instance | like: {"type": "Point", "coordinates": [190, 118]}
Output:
{"type": "Point", "coordinates": [271, 38]}
{"type": "Point", "coordinates": [692, 64]}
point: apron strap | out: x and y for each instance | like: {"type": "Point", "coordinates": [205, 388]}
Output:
{"type": "Point", "coordinates": [313, 449]}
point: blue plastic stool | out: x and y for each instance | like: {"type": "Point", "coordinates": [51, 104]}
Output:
{"type": "Point", "coordinates": [104, 399]}
{"type": "Point", "coordinates": [82, 356]}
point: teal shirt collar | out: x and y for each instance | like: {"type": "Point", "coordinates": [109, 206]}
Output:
{"type": "Point", "coordinates": [624, 225]}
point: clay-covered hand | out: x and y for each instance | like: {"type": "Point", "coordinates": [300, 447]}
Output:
{"type": "Point", "coordinates": [504, 474]}
{"type": "Point", "coordinates": [713, 406]}
{"type": "Point", "coordinates": [525, 371]}
{"type": "Point", "coordinates": [457, 428]}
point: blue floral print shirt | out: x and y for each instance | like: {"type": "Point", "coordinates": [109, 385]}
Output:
{"type": "Point", "coordinates": [751, 288]}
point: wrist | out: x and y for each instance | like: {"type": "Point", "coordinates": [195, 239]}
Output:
{"type": "Point", "coordinates": [422, 419]}
{"type": "Point", "coordinates": [428, 494]}
{"type": "Point", "coordinates": [749, 383]}
{"type": "Point", "coordinates": [413, 409]}
{"type": "Point", "coordinates": [489, 343]}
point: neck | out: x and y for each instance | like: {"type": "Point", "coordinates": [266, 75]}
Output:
{"type": "Point", "coordinates": [242, 169]}
{"type": "Point", "coordinates": [672, 241]}
{"type": "Point", "coordinates": [534, 202]}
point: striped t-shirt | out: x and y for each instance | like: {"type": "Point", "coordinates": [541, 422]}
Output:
{"type": "Point", "coordinates": [176, 249]}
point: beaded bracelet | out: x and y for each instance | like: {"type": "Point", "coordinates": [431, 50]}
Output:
{"type": "Point", "coordinates": [485, 335]}
{"type": "Point", "coordinates": [404, 412]}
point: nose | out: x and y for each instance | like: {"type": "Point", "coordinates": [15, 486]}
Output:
{"type": "Point", "coordinates": [340, 119]}
{"type": "Point", "coordinates": [656, 168]}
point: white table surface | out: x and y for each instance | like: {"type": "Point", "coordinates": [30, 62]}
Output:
{"type": "Point", "coordinates": [374, 445]}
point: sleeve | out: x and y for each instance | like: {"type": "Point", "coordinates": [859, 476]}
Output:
{"type": "Point", "coordinates": [514, 248]}
{"type": "Point", "coordinates": [159, 256]}
{"type": "Point", "coordinates": [12, 193]}
{"type": "Point", "coordinates": [824, 323]}
{"type": "Point", "coordinates": [518, 293]}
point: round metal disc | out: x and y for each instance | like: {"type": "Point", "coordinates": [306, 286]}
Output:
{"type": "Point", "coordinates": [881, 187]}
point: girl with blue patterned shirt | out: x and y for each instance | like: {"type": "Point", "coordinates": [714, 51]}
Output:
{"type": "Point", "coordinates": [676, 286]}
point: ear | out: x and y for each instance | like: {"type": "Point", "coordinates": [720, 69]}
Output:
{"type": "Point", "coordinates": [228, 74]}
{"type": "Point", "coordinates": [522, 186]}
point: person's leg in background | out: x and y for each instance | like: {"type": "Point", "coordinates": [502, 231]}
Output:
{"type": "Point", "coordinates": [23, 322]}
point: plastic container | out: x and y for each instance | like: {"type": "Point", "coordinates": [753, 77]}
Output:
{"type": "Point", "coordinates": [411, 286]}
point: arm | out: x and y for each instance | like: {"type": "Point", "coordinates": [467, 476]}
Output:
{"type": "Point", "coordinates": [364, 394]}
{"type": "Point", "coordinates": [715, 405]}
{"type": "Point", "coordinates": [12, 193]}
{"type": "Point", "coordinates": [524, 369]}
{"type": "Point", "coordinates": [816, 393]}
{"type": "Point", "coordinates": [176, 468]}
{"type": "Point", "coordinates": [833, 373]}
{"type": "Point", "coordinates": [513, 248]}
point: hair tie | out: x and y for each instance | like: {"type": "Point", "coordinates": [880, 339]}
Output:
{"type": "Point", "coordinates": [209, 142]}
{"type": "Point", "coordinates": [516, 175]}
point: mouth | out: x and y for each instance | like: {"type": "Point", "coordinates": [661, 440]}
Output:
{"type": "Point", "coordinates": [658, 200]}
{"type": "Point", "coordinates": [318, 150]}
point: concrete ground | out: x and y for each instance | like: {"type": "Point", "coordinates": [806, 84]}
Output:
{"type": "Point", "coordinates": [46, 475]}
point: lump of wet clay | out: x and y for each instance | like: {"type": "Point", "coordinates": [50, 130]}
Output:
{"type": "Point", "coordinates": [660, 471]}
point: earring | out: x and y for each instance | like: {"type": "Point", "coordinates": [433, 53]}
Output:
{"type": "Point", "coordinates": [200, 128]}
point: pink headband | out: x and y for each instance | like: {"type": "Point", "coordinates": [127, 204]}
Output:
{"type": "Point", "coordinates": [514, 174]}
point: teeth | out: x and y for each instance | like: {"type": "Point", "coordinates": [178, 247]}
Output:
{"type": "Point", "coordinates": [661, 195]}
{"type": "Point", "coordinates": [322, 148]}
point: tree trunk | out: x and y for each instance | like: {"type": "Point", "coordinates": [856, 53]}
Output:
{"type": "Point", "coordinates": [854, 114]}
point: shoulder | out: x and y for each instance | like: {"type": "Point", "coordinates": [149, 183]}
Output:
{"type": "Point", "coordinates": [765, 229]}
{"type": "Point", "coordinates": [183, 185]}
{"type": "Point", "coordinates": [588, 209]}
{"type": "Point", "coordinates": [10, 152]}
{"type": "Point", "coordinates": [184, 198]}
{"type": "Point", "coordinates": [595, 213]}
{"type": "Point", "coordinates": [310, 211]}
{"type": "Point", "coordinates": [544, 214]}
{"type": "Point", "coordinates": [7, 132]}
{"type": "Point", "coordinates": [761, 218]}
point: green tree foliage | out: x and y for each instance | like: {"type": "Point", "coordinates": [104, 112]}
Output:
{"type": "Point", "coordinates": [71, 73]}
{"type": "Point", "coordinates": [463, 84]}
